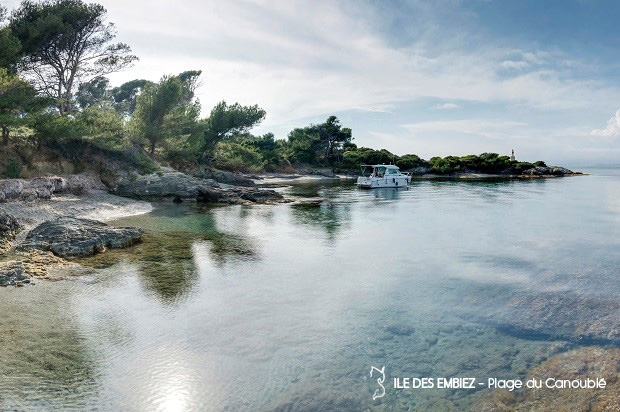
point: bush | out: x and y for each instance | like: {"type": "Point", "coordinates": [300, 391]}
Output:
{"type": "Point", "coordinates": [540, 163]}
{"type": "Point", "coordinates": [520, 167]}
{"type": "Point", "coordinates": [12, 170]}
{"type": "Point", "coordinates": [446, 165]}
{"type": "Point", "coordinates": [237, 157]}
{"type": "Point", "coordinates": [53, 128]}
{"type": "Point", "coordinates": [410, 161]}
{"type": "Point", "coordinates": [354, 158]}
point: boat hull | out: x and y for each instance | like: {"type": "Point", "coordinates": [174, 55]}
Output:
{"type": "Point", "coordinates": [383, 182]}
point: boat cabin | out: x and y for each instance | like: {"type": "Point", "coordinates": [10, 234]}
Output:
{"type": "Point", "coordinates": [380, 170]}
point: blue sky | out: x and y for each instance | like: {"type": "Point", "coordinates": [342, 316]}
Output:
{"type": "Point", "coordinates": [431, 78]}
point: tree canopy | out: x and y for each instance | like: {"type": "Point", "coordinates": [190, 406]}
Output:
{"type": "Point", "coordinates": [166, 110]}
{"type": "Point", "coordinates": [16, 97]}
{"type": "Point", "coordinates": [226, 121]}
{"type": "Point", "coordinates": [319, 143]}
{"type": "Point", "coordinates": [66, 42]}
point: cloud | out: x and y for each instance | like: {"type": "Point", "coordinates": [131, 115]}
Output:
{"type": "Point", "coordinates": [297, 60]}
{"type": "Point", "coordinates": [612, 129]}
{"type": "Point", "coordinates": [373, 109]}
{"type": "Point", "coordinates": [492, 129]}
{"type": "Point", "coordinates": [514, 65]}
{"type": "Point", "coordinates": [446, 106]}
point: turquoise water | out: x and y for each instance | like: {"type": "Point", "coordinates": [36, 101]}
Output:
{"type": "Point", "coordinates": [287, 307]}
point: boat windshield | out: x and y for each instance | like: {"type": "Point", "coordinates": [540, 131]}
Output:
{"type": "Point", "coordinates": [379, 171]}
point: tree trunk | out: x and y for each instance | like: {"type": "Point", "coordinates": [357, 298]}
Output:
{"type": "Point", "coordinates": [152, 152]}
{"type": "Point", "coordinates": [5, 136]}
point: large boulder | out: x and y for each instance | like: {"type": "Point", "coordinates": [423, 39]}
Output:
{"type": "Point", "coordinates": [223, 176]}
{"type": "Point", "coordinates": [45, 187]}
{"type": "Point", "coordinates": [165, 184]}
{"type": "Point", "coordinates": [70, 237]}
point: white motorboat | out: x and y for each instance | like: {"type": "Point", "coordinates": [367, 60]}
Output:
{"type": "Point", "coordinates": [376, 176]}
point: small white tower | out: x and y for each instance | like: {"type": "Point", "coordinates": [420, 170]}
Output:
{"type": "Point", "coordinates": [512, 156]}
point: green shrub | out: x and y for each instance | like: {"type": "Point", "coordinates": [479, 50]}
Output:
{"type": "Point", "coordinates": [238, 157]}
{"type": "Point", "coordinates": [410, 161]}
{"type": "Point", "coordinates": [520, 167]}
{"type": "Point", "coordinates": [12, 170]}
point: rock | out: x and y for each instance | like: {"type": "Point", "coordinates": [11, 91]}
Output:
{"type": "Point", "coordinates": [12, 272]}
{"type": "Point", "coordinates": [9, 227]}
{"type": "Point", "coordinates": [165, 184]}
{"type": "Point", "coordinates": [547, 171]}
{"type": "Point", "coordinates": [568, 316]}
{"type": "Point", "coordinates": [257, 195]}
{"type": "Point", "coordinates": [83, 183]}
{"type": "Point", "coordinates": [579, 364]}
{"type": "Point", "coordinates": [68, 237]}
{"type": "Point", "coordinates": [178, 186]}
{"type": "Point", "coordinates": [223, 176]}
{"type": "Point", "coordinates": [45, 187]}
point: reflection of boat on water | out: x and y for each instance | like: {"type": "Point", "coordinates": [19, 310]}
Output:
{"type": "Point", "coordinates": [380, 176]}
{"type": "Point", "coordinates": [388, 193]}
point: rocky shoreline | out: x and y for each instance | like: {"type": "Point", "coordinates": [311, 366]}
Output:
{"type": "Point", "coordinates": [45, 220]}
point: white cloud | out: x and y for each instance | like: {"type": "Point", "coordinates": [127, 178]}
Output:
{"type": "Point", "coordinates": [492, 129]}
{"type": "Point", "coordinates": [446, 106]}
{"type": "Point", "coordinates": [297, 60]}
{"type": "Point", "coordinates": [377, 109]}
{"type": "Point", "coordinates": [514, 65]}
{"type": "Point", "coordinates": [612, 129]}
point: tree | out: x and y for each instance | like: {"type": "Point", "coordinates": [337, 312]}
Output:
{"type": "Point", "coordinates": [165, 110]}
{"type": "Point", "coordinates": [94, 93]}
{"type": "Point", "coordinates": [320, 143]}
{"type": "Point", "coordinates": [66, 42]}
{"type": "Point", "coordinates": [226, 121]}
{"type": "Point", "coordinates": [9, 45]}
{"type": "Point", "coordinates": [126, 96]}
{"type": "Point", "coordinates": [16, 98]}
{"type": "Point", "coordinates": [410, 161]}
{"type": "Point", "coordinates": [269, 148]}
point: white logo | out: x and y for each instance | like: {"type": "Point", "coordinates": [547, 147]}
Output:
{"type": "Point", "coordinates": [379, 393]}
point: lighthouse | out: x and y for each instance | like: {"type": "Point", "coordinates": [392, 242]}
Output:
{"type": "Point", "coordinates": [512, 156]}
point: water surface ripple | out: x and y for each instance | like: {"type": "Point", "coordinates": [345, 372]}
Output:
{"type": "Point", "coordinates": [286, 307]}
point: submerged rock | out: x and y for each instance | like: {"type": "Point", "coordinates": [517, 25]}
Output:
{"type": "Point", "coordinates": [68, 237]}
{"type": "Point", "coordinates": [179, 186]}
{"type": "Point", "coordinates": [579, 364]}
{"type": "Point", "coordinates": [574, 317]}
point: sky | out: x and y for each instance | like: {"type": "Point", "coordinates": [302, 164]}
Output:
{"type": "Point", "coordinates": [431, 78]}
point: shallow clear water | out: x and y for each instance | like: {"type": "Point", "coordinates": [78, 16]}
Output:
{"type": "Point", "coordinates": [286, 307]}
